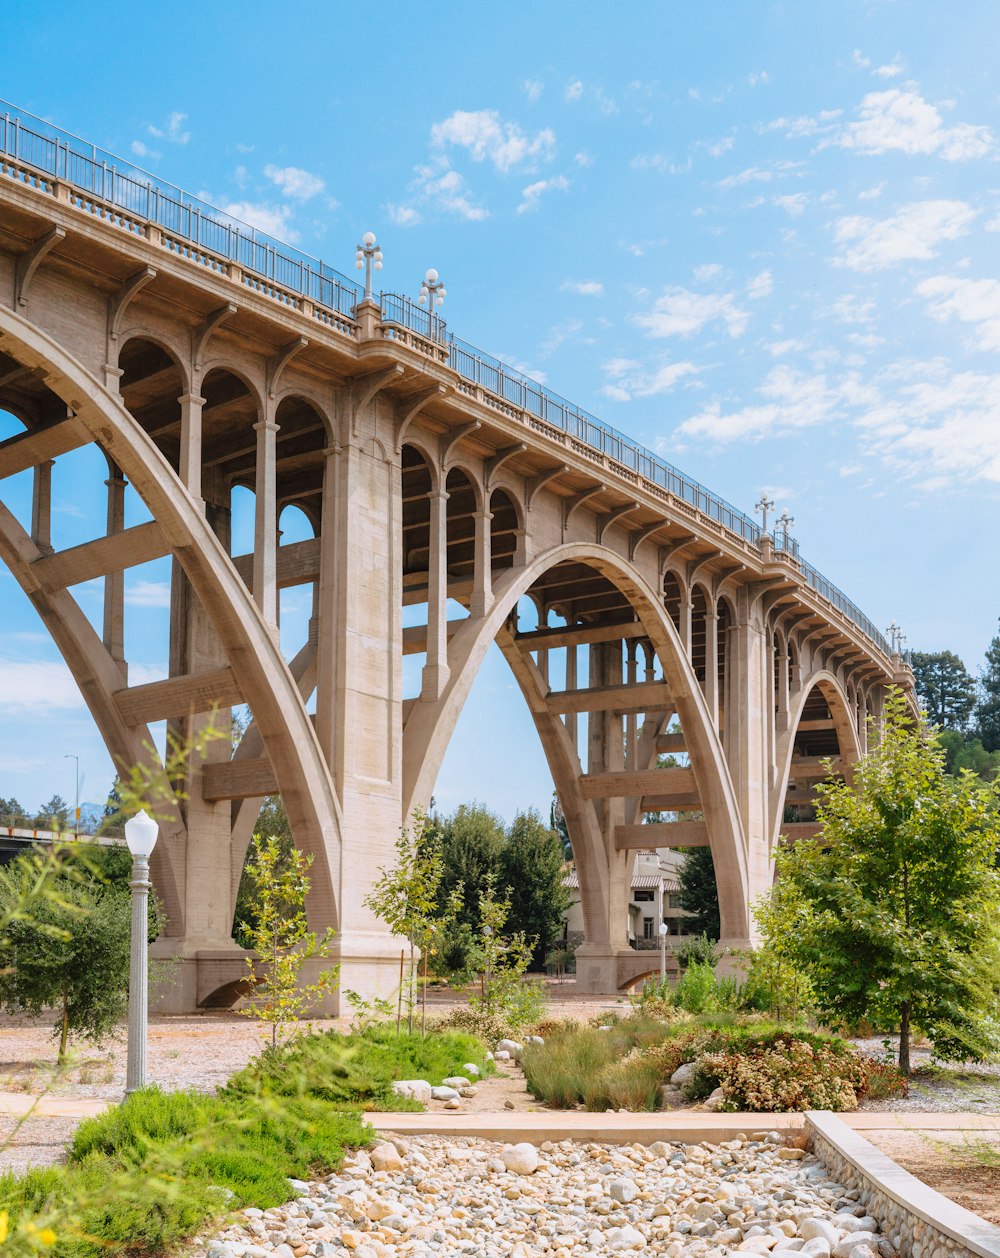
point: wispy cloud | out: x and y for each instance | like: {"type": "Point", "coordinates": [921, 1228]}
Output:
{"type": "Point", "coordinates": [584, 288]}
{"type": "Point", "coordinates": [533, 89]}
{"type": "Point", "coordinates": [628, 379]}
{"type": "Point", "coordinates": [37, 687]}
{"type": "Point", "coordinates": [898, 120]}
{"type": "Point", "coordinates": [487, 137]}
{"type": "Point", "coordinates": [790, 400]}
{"type": "Point", "coordinates": [911, 234]}
{"type": "Point", "coordinates": [681, 312]}
{"type": "Point", "coordinates": [574, 90]}
{"type": "Point", "coordinates": [273, 220]}
{"type": "Point", "coordinates": [532, 194]}
{"type": "Point", "coordinates": [148, 594]}
{"type": "Point", "coordinates": [975, 302]}
{"type": "Point", "coordinates": [173, 130]}
{"type": "Point", "coordinates": [295, 182]}
{"type": "Point", "coordinates": [760, 285]}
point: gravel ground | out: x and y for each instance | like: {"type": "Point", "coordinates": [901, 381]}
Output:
{"type": "Point", "coordinates": [940, 1088]}
{"type": "Point", "coordinates": [427, 1196]}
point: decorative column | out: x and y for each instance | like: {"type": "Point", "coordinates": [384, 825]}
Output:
{"type": "Point", "coordinates": [482, 579]}
{"type": "Point", "coordinates": [783, 689]}
{"type": "Point", "coordinates": [265, 565]}
{"type": "Point", "coordinates": [138, 991]}
{"type": "Point", "coordinates": [570, 717]}
{"type": "Point", "coordinates": [712, 662]}
{"type": "Point", "coordinates": [631, 719]}
{"type": "Point", "coordinates": [684, 629]}
{"type": "Point", "coordinates": [190, 456]}
{"type": "Point", "coordinates": [114, 582]}
{"type": "Point", "coordinates": [41, 507]}
{"type": "Point", "coordinates": [435, 674]}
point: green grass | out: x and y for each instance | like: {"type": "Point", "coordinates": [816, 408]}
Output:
{"type": "Point", "coordinates": [358, 1070]}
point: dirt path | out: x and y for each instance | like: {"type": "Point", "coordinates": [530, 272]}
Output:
{"type": "Point", "coordinates": [953, 1162]}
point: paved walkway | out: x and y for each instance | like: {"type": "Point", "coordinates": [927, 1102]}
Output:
{"type": "Point", "coordinates": [20, 1103]}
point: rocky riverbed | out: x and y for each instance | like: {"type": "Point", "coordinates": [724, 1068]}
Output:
{"type": "Point", "coordinates": [439, 1197]}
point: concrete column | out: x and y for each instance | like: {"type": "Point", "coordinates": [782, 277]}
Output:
{"type": "Point", "coordinates": [712, 663]}
{"type": "Point", "coordinates": [265, 567]}
{"type": "Point", "coordinates": [114, 582]}
{"type": "Point", "coordinates": [631, 720]}
{"type": "Point", "coordinates": [684, 628]}
{"type": "Point", "coordinates": [482, 580]}
{"type": "Point", "coordinates": [570, 717]}
{"type": "Point", "coordinates": [190, 457]}
{"type": "Point", "coordinates": [41, 507]}
{"type": "Point", "coordinates": [435, 674]}
{"type": "Point", "coordinates": [783, 690]}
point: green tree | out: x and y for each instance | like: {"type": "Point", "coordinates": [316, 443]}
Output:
{"type": "Point", "coordinates": [988, 710]}
{"type": "Point", "coordinates": [406, 896]}
{"type": "Point", "coordinates": [273, 822]}
{"type": "Point", "coordinates": [281, 939]}
{"type": "Point", "coordinates": [504, 957]}
{"type": "Point", "coordinates": [72, 951]}
{"type": "Point", "coordinates": [471, 840]}
{"type": "Point", "coordinates": [893, 909]}
{"type": "Point", "coordinates": [699, 894]}
{"type": "Point", "coordinates": [964, 751]}
{"type": "Point", "coordinates": [11, 813]}
{"type": "Point", "coordinates": [945, 688]}
{"type": "Point", "coordinates": [53, 815]}
{"type": "Point", "coordinates": [531, 877]}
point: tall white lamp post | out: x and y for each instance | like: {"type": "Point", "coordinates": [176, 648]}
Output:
{"type": "Point", "coordinates": [432, 293]}
{"type": "Point", "coordinates": [140, 835]}
{"type": "Point", "coordinates": [368, 254]}
{"type": "Point", "coordinates": [663, 952]}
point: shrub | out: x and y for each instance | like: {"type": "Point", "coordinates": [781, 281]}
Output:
{"type": "Point", "coordinates": [883, 1081]}
{"type": "Point", "coordinates": [788, 1074]}
{"type": "Point", "coordinates": [697, 992]}
{"type": "Point", "coordinates": [489, 1027]}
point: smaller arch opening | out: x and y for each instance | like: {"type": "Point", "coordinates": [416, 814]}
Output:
{"type": "Point", "coordinates": [504, 527]}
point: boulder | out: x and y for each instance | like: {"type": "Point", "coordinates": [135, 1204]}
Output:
{"type": "Point", "coordinates": [520, 1159]}
{"type": "Point", "coordinates": [385, 1157]}
{"type": "Point", "coordinates": [512, 1047]}
{"type": "Point", "coordinates": [455, 1081]}
{"type": "Point", "coordinates": [413, 1089]}
{"type": "Point", "coordinates": [813, 1229]}
{"type": "Point", "coordinates": [501, 1055]}
{"type": "Point", "coordinates": [683, 1074]}
{"type": "Point", "coordinates": [471, 1070]}
{"type": "Point", "coordinates": [534, 1039]}
{"type": "Point", "coordinates": [623, 1190]}
{"type": "Point", "coordinates": [444, 1094]}
{"type": "Point", "coordinates": [716, 1100]}
{"type": "Point", "coordinates": [627, 1237]}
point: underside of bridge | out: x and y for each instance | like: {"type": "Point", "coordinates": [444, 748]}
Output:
{"type": "Point", "coordinates": [688, 679]}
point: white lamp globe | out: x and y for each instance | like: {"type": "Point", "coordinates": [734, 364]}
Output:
{"type": "Point", "coordinates": [141, 832]}
{"type": "Point", "coordinates": [431, 276]}
{"type": "Point", "coordinates": [368, 239]}
{"type": "Point", "coordinates": [663, 928]}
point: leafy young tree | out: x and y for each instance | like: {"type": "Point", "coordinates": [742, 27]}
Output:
{"type": "Point", "coordinates": [699, 894]}
{"type": "Point", "coordinates": [504, 959]}
{"type": "Point", "coordinates": [988, 711]}
{"type": "Point", "coordinates": [945, 688]}
{"type": "Point", "coordinates": [893, 909]}
{"type": "Point", "coordinates": [472, 839]}
{"type": "Point", "coordinates": [405, 897]}
{"type": "Point", "coordinates": [281, 939]}
{"type": "Point", "coordinates": [531, 877]}
{"type": "Point", "coordinates": [72, 951]}
{"type": "Point", "coordinates": [273, 822]}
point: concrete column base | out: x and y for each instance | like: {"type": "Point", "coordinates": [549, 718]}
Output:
{"type": "Point", "coordinates": [598, 968]}
{"type": "Point", "coordinates": [733, 956]}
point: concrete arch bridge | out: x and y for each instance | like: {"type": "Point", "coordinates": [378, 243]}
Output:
{"type": "Point", "coordinates": [195, 358]}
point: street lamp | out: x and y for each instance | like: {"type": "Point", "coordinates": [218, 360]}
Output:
{"type": "Point", "coordinates": [368, 252]}
{"type": "Point", "coordinates": [76, 815]}
{"type": "Point", "coordinates": [432, 293]}
{"type": "Point", "coordinates": [663, 953]}
{"type": "Point", "coordinates": [785, 521]}
{"type": "Point", "coordinates": [763, 508]}
{"type": "Point", "coordinates": [140, 835]}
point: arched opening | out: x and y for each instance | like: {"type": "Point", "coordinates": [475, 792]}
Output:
{"type": "Point", "coordinates": [151, 385]}
{"type": "Point", "coordinates": [725, 619]}
{"type": "Point", "coordinates": [699, 635]}
{"type": "Point", "coordinates": [504, 528]}
{"type": "Point", "coordinates": [462, 510]}
{"type": "Point", "coordinates": [672, 598]}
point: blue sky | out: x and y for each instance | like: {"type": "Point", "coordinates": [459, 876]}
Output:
{"type": "Point", "coordinates": [761, 238]}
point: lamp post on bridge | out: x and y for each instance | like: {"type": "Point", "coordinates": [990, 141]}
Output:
{"type": "Point", "coordinates": [785, 521]}
{"type": "Point", "coordinates": [432, 293]}
{"type": "Point", "coordinates": [763, 508]}
{"type": "Point", "coordinates": [897, 637]}
{"type": "Point", "coordinates": [369, 253]}
{"type": "Point", "coordinates": [140, 835]}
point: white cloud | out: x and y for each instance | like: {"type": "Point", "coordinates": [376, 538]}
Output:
{"type": "Point", "coordinates": [585, 288]}
{"type": "Point", "coordinates": [36, 687]}
{"type": "Point", "coordinates": [762, 174]}
{"type": "Point", "coordinates": [402, 215]}
{"type": "Point", "coordinates": [583, 158]}
{"type": "Point", "coordinates": [294, 181]}
{"type": "Point", "coordinates": [142, 150]}
{"type": "Point", "coordinates": [756, 78]}
{"type": "Point", "coordinates": [970, 301]}
{"type": "Point", "coordinates": [902, 121]}
{"type": "Point", "coordinates": [148, 594]}
{"type": "Point", "coordinates": [707, 271]}
{"type": "Point", "coordinates": [273, 220]}
{"type": "Point", "coordinates": [804, 126]}
{"type": "Point", "coordinates": [721, 146]}
{"type": "Point", "coordinates": [859, 59]}
{"type": "Point", "coordinates": [660, 161]}
{"type": "Point", "coordinates": [792, 400]}
{"type": "Point", "coordinates": [172, 130]}
{"type": "Point", "coordinates": [852, 309]}
{"type": "Point", "coordinates": [893, 68]}
{"type": "Point", "coordinates": [912, 234]}
{"type": "Point", "coordinates": [533, 89]}
{"type": "Point", "coordinates": [573, 90]}
{"type": "Point", "coordinates": [483, 133]}
{"type": "Point", "coordinates": [760, 285]}
{"type": "Point", "coordinates": [993, 225]}
{"type": "Point", "coordinates": [446, 190]}
{"type": "Point", "coordinates": [872, 193]}
{"type": "Point", "coordinates": [680, 312]}
{"type": "Point", "coordinates": [534, 191]}
{"type": "Point", "coordinates": [628, 378]}
{"type": "Point", "coordinates": [794, 203]}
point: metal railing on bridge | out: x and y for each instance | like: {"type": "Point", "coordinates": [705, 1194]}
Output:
{"type": "Point", "coordinates": [110, 179]}
{"type": "Point", "coordinates": [83, 166]}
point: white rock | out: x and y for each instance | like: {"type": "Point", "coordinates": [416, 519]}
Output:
{"type": "Point", "coordinates": [623, 1190]}
{"type": "Point", "coordinates": [414, 1089]}
{"type": "Point", "coordinates": [520, 1159]}
{"type": "Point", "coordinates": [818, 1246]}
{"type": "Point", "coordinates": [853, 1240]}
{"type": "Point", "coordinates": [683, 1074]}
{"type": "Point", "coordinates": [811, 1229]}
{"type": "Point", "coordinates": [385, 1157]}
{"type": "Point", "coordinates": [444, 1094]}
{"type": "Point", "coordinates": [453, 1103]}
{"type": "Point", "coordinates": [715, 1100]}
{"type": "Point", "coordinates": [471, 1069]}
{"type": "Point", "coordinates": [456, 1081]}
{"type": "Point", "coordinates": [510, 1046]}
{"type": "Point", "coordinates": [534, 1039]}
{"type": "Point", "coordinates": [501, 1055]}
{"type": "Point", "coordinates": [628, 1237]}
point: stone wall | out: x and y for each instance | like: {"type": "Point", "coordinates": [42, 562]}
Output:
{"type": "Point", "coordinates": [920, 1222]}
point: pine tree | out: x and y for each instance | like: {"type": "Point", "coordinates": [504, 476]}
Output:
{"type": "Point", "coordinates": [988, 711]}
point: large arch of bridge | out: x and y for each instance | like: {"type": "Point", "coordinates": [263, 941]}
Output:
{"type": "Point", "coordinates": [431, 725]}
{"type": "Point", "coordinates": [268, 686]}
{"type": "Point", "coordinates": [839, 704]}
